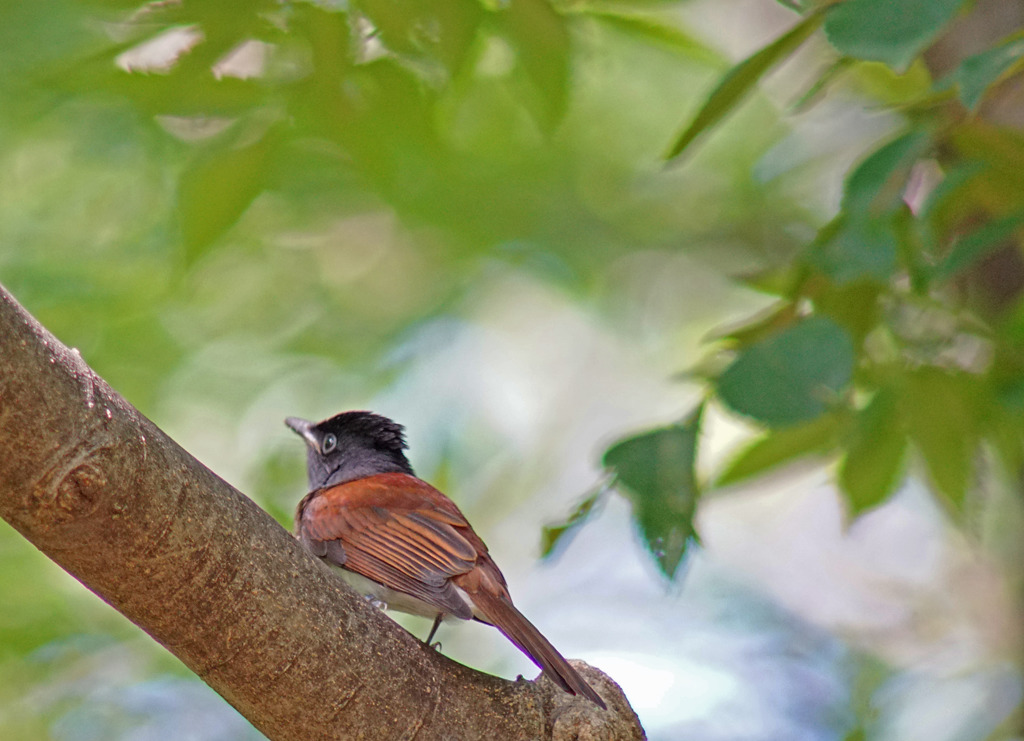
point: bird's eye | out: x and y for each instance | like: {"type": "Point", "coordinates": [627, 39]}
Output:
{"type": "Point", "coordinates": [329, 444]}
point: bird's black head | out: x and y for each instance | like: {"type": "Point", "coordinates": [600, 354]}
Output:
{"type": "Point", "coordinates": [349, 446]}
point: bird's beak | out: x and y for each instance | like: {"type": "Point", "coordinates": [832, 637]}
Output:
{"type": "Point", "coordinates": [304, 428]}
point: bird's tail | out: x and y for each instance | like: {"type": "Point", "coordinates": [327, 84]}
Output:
{"type": "Point", "coordinates": [502, 614]}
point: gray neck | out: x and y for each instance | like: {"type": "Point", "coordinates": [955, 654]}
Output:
{"type": "Point", "coordinates": [366, 463]}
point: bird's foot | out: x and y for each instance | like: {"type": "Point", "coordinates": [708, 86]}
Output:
{"type": "Point", "coordinates": [378, 603]}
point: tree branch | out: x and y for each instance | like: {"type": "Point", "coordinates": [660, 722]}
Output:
{"type": "Point", "coordinates": [103, 492]}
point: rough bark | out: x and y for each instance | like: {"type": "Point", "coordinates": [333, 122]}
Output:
{"type": "Point", "coordinates": [103, 492]}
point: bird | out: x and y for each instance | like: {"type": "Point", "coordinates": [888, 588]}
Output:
{"type": "Point", "coordinates": [402, 543]}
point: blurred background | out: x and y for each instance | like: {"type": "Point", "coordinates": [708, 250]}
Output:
{"type": "Point", "coordinates": [715, 305]}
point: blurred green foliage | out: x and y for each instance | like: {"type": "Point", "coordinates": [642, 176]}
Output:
{"type": "Point", "coordinates": [210, 197]}
{"type": "Point", "coordinates": [887, 334]}
{"type": "Point", "coordinates": [225, 205]}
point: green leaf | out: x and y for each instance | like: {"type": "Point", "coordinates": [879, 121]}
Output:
{"type": "Point", "coordinates": [890, 88]}
{"type": "Point", "coordinates": [784, 280]}
{"type": "Point", "coordinates": [655, 471]}
{"type": "Point", "coordinates": [651, 28]}
{"type": "Point", "coordinates": [178, 94]}
{"type": "Point", "coordinates": [855, 307]}
{"type": "Point", "coordinates": [873, 465]}
{"type": "Point", "coordinates": [541, 40]}
{"type": "Point", "coordinates": [941, 411]}
{"type": "Point", "coordinates": [863, 242]}
{"type": "Point", "coordinates": [945, 205]}
{"type": "Point", "coordinates": [866, 677]}
{"type": "Point", "coordinates": [783, 446]}
{"type": "Point", "coordinates": [876, 185]}
{"type": "Point", "coordinates": [890, 31]}
{"type": "Point", "coordinates": [817, 88]}
{"type": "Point", "coordinates": [977, 73]}
{"type": "Point", "coordinates": [551, 535]}
{"type": "Point", "coordinates": [217, 189]}
{"type": "Point", "coordinates": [741, 79]}
{"type": "Point", "coordinates": [1005, 435]}
{"type": "Point", "coordinates": [792, 377]}
{"type": "Point", "coordinates": [330, 37]}
{"type": "Point", "coordinates": [862, 249]}
{"type": "Point", "coordinates": [969, 249]}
